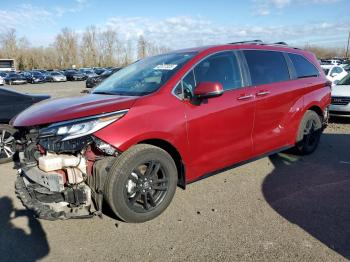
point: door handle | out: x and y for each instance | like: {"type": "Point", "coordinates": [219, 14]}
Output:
{"type": "Point", "coordinates": [245, 97]}
{"type": "Point", "coordinates": [263, 93]}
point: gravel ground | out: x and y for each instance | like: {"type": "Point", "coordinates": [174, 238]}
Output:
{"type": "Point", "coordinates": [280, 208]}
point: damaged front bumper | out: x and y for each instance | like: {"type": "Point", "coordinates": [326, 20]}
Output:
{"type": "Point", "coordinates": [25, 191]}
{"type": "Point", "coordinates": [63, 180]}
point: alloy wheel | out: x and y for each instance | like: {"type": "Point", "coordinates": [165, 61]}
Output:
{"type": "Point", "coordinates": [7, 145]}
{"type": "Point", "coordinates": [146, 187]}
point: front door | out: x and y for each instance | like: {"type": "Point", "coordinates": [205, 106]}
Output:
{"type": "Point", "coordinates": [220, 128]}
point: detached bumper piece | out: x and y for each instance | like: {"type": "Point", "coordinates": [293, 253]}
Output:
{"type": "Point", "coordinates": [50, 206]}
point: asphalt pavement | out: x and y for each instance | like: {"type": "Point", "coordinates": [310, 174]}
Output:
{"type": "Point", "coordinates": [279, 208]}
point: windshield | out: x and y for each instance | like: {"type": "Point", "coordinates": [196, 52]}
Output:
{"type": "Point", "coordinates": [107, 72]}
{"type": "Point", "coordinates": [37, 74]}
{"type": "Point", "coordinates": [14, 75]}
{"type": "Point", "coordinates": [145, 76]}
{"type": "Point", "coordinates": [345, 80]}
{"type": "Point", "coordinates": [55, 74]}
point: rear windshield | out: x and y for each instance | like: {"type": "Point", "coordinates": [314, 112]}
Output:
{"type": "Point", "coordinates": [145, 76]}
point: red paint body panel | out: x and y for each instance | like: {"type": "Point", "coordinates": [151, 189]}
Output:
{"type": "Point", "coordinates": [57, 110]}
{"type": "Point", "coordinates": [219, 132]}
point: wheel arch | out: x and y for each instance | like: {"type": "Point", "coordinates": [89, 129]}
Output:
{"type": "Point", "coordinates": [174, 153]}
{"type": "Point", "coordinates": [317, 110]}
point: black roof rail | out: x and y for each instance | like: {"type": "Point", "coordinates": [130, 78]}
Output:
{"type": "Point", "coordinates": [257, 41]}
{"type": "Point", "coordinates": [280, 43]}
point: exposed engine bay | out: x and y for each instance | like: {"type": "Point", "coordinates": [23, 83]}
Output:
{"type": "Point", "coordinates": [61, 179]}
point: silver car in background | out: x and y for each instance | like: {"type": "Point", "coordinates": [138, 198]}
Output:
{"type": "Point", "coordinates": [340, 105]}
{"type": "Point", "coordinates": [56, 77]}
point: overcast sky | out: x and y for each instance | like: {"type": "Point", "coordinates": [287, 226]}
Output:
{"type": "Point", "coordinates": [180, 23]}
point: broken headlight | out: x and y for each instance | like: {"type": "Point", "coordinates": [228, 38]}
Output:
{"type": "Point", "coordinates": [80, 127]}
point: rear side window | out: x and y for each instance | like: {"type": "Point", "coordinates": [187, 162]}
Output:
{"type": "Point", "coordinates": [266, 67]}
{"type": "Point", "coordinates": [303, 67]}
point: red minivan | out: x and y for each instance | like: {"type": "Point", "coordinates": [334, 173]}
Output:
{"type": "Point", "coordinates": [167, 121]}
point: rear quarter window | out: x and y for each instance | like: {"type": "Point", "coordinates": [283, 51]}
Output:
{"type": "Point", "coordinates": [303, 67]}
{"type": "Point", "coordinates": [266, 67]}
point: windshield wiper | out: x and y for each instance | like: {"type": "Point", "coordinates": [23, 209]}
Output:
{"type": "Point", "coordinates": [103, 93]}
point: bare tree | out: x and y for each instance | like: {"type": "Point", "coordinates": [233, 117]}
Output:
{"type": "Point", "coordinates": [8, 42]}
{"type": "Point", "coordinates": [110, 48]}
{"type": "Point", "coordinates": [141, 47]}
{"type": "Point", "coordinates": [89, 48]}
{"type": "Point", "coordinates": [66, 44]}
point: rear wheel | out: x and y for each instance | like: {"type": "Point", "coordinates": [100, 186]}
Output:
{"type": "Point", "coordinates": [141, 183]}
{"type": "Point", "coordinates": [309, 133]}
{"type": "Point", "coordinates": [7, 143]}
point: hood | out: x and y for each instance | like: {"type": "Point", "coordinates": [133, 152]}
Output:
{"type": "Point", "coordinates": [341, 90]}
{"type": "Point", "coordinates": [38, 98]}
{"type": "Point", "coordinates": [57, 110]}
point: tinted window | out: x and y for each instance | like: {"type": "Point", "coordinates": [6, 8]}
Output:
{"type": "Point", "coordinates": [339, 70]}
{"type": "Point", "coordinates": [266, 66]}
{"type": "Point", "coordinates": [303, 67]}
{"type": "Point", "coordinates": [221, 68]}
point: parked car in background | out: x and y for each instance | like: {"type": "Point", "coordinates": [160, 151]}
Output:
{"type": "Point", "coordinates": [347, 68]}
{"type": "Point", "coordinates": [2, 81]}
{"type": "Point", "coordinates": [94, 81]}
{"type": "Point", "coordinates": [15, 79]}
{"type": "Point", "coordinates": [88, 72]}
{"type": "Point", "coordinates": [341, 98]}
{"type": "Point", "coordinates": [34, 77]}
{"type": "Point", "coordinates": [99, 70]}
{"type": "Point", "coordinates": [168, 120]}
{"type": "Point", "coordinates": [11, 104]}
{"type": "Point", "coordinates": [334, 73]}
{"type": "Point", "coordinates": [56, 76]}
{"type": "Point", "coordinates": [73, 75]}
{"type": "Point", "coordinates": [3, 74]}
{"type": "Point", "coordinates": [42, 71]}
{"type": "Point", "coordinates": [345, 63]}
{"type": "Point", "coordinates": [332, 61]}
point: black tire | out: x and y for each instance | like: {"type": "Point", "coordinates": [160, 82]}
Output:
{"type": "Point", "coordinates": [141, 183]}
{"type": "Point", "coordinates": [309, 133]}
{"type": "Point", "coordinates": [7, 143]}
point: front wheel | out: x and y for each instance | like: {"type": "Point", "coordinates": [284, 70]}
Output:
{"type": "Point", "coordinates": [7, 143]}
{"type": "Point", "coordinates": [309, 133]}
{"type": "Point", "coordinates": [141, 183]}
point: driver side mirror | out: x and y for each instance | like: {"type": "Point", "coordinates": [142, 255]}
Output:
{"type": "Point", "coordinates": [208, 90]}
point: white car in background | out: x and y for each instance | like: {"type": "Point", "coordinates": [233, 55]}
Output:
{"type": "Point", "coordinates": [340, 105]}
{"type": "Point", "coordinates": [334, 73]}
{"type": "Point", "coordinates": [2, 81]}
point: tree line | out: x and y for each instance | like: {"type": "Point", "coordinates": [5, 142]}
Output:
{"type": "Point", "coordinates": [92, 48]}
